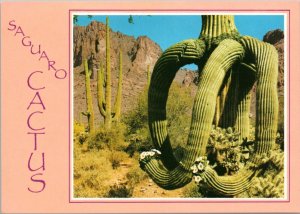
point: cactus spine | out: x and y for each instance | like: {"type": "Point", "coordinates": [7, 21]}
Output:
{"type": "Point", "coordinates": [89, 101]}
{"type": "Point", "coordinates": [223, 97]}
{"type": "Point", "coordinates": [104, 96]}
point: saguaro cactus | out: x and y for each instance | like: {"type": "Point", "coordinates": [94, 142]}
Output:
{"type": "Point", "coordinates": [224, 57]}
{"type": "Point", "coordinates": [104, 96]}
{"type": "Point", "coordinates": [89, 100]}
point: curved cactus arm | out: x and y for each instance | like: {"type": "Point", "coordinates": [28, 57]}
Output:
{"type": "Point", "coordinates": [228, 185]}
{"type": "Point", "coordinates": [107, 118]}
{"type": "Point", "coordinates": [220, 61]}
{"type": "Point", "coordinates": [100, 91]}
{"type": "Point", "coordinates": [265, 58]}
{"type": "Point", "coordinates": [178, 55]}
{"type": "Point", "coordinates": [266, 65]}
{"type": "Point", "coordinates": [177, 175]}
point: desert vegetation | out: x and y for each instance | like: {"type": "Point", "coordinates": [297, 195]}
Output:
{"type": "Point", "coordinates": [107, 160]}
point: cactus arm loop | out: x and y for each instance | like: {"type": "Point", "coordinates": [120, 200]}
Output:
{"type": "Point", "coordinates": [166, 171]}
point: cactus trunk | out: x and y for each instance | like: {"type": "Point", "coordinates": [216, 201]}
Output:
{"type": "Point", "coordinates": [107, 118]}
{"type": "Point", "coordinates": [118, 103]}
{"type": "Point", "coordinates": [104, 87]}
{"type": "Point", "coordinates": [100, 91]}
{"type": "Point", "coordinates": [89, 101]}
{"type": "Point", "coordinates": [266, 57]}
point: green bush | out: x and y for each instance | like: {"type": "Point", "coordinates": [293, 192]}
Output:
{"type": "Point", "coordinates": [224, 151]}
{"type": "Point", "coordinates": [80, 135]}
{"type": "Point", "coordinates": [116, 157]}
{"type": "Point", "coordinates": [269, 182]}
{"type": "Point", "coordinates": [179, 107]}
{"type": "Point", "coordinates": [191, 191]}
{"type": "Point", "coordinates": [92, 171]}
{"type": "Point", "coordinates": [120, 191]}
{"type": "Point", "coordinates": [112, 139]}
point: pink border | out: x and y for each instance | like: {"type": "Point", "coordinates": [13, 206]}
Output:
{"type": "Point", "coordinates": [206, 200]}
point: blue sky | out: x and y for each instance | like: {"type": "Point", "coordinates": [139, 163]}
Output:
{"type": "Point", "coordinates": [167, 30]}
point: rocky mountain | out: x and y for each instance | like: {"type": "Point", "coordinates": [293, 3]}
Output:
{"type": "Point", "coordinates": [137, 55]}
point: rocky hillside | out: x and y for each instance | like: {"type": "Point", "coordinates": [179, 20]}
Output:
{"type": "Point", "coordinates": [137, 55]}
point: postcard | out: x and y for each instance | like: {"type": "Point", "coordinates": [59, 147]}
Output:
{"type": "Point", "coordinates": [149, 107]}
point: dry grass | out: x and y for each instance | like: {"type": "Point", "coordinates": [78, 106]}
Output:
{"type": "Point", "coordinates": [92, 171]}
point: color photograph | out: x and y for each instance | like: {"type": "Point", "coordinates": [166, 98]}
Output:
{"type": "Point", "coordinates": [178, 106]}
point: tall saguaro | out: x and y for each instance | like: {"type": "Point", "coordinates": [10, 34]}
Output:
{"type": "Point", "coordinates": [104, 87]}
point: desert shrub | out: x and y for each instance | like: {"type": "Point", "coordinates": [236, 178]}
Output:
{"type": "Point", "coordinates": [191, 191]}
{"type": "Point", "coordinates": [137, 133]}
{"type": "Point", "coordinates": [137, 118]}
{"type": "Point", "coordinates": [225, 152]}
{"type": "Point", "coordinates": [116, 157]}
{"type": "Point", "coordinates": [92, 172]}
{"type": "Point", "coordinates": [95, 170]}
{"type": "Point", "coordinates": [78, 127]}
{"type": "Point", "coordinates": [119, 191]}
{"type": "Point", "coordinates": [280, 139]}
{"type": "Point", "coordinates": [269, 182]}
{"type": "Point", "coordinates": [139, 141]}
{"type": "Point", "coordinates": [112, 139]}
{"type": "Point", "coordinates": [227, 156]}
{"type": "Point", "coordinates": [179, 110]}
{"type": "Point", "coordinates": [270, 186]}
{"type": "Point", "coordinates": [80, 135]}
{"type": "Point", "coordinates": [179, 106]}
